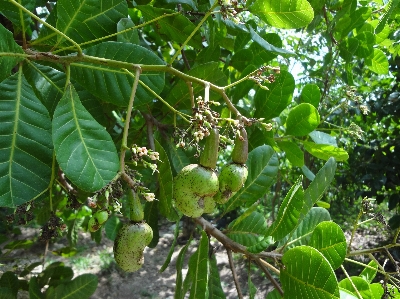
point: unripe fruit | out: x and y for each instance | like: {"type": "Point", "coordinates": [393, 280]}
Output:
{"type": "Point", "coordinates": [231, 179]}
{"type": "Point", "coordinates": [97, 220]}
{"type": "Point", "coordinates": [241, 149]}
{"type": "Point", "coordinates": [209, 156]}
{"type": "Point", "coordinates": [129, 245]}
{"type": "Point", "coordinates": [194, 187]}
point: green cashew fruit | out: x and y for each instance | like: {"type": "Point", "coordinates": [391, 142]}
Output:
{"type": "Point", "coordinates": [97, 220]}
{"type": "Point", "coordinates": [234, 175]}
{"type": "Point", "coordinates": [196, 184]}
{"type": "Point", "coordinates": [129, 245]}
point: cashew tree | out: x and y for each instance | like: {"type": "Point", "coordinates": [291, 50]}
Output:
{"type": "Point", "coordinates": [116, 115]}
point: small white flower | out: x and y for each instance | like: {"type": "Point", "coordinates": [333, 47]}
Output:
{"type": "Point", "coordinates": [154, 156]}
{"type": "Point", "coordinates": [149, 196]}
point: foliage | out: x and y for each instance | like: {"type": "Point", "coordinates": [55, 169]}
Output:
{"type": "Point", "coordinates": [101, 97]}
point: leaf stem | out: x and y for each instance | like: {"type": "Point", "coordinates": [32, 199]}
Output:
{"type": "Point", "coordinates": [78, 48]}
{"type": "Point", "coordinates": [234, 274]}
{"type": "Point", "coordinates": [351, 282]}
{"type": "Point", "coordinates": [194, 31]}
{"type": "Point", "coordinates": [124, 145]}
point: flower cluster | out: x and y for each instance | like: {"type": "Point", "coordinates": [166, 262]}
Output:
{"type": "Point", "coordinates": [140, 153]}
{"type": "Point", "coordinates": [355, 130]}
{"type": "Point", "coordinates": [231, 8]}
{"type": "Point", "coordinates": [260, 79]}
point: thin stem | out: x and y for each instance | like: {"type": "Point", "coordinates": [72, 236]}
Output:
{"type": "Point", "coordinates": [277, 286]}
{"type": "Point", "coordinates": [48, 25]}
{"type": "Point", "coordinates": [235, 277]}
{"type": "Point", "coordinates": [124, 145]}
{"type": "Point", "coordinates": [194, 31]}
{"type": "Point", "coordinates": [351, 282]}
{"type": "Point", "coordinates": [230, 105]}
{"type": "Point", "coordinates": [364, 265]}
{"type": "Point", "coordinates": [354, 229]}
{"type": "Point", "coordinates": [52, 178]}
{"type": "Point", "coordinates": [396, 235]}
{"type": "Point", "coordinates": [368, 251]}
{"type": "Point", "coordinates": [190, 87]}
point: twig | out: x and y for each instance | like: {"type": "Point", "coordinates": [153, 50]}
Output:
{"type": "Point", "coordinates": [351, 282]}
{"type": "Point", "coordinates": [149, 124]}
{"type": "Point", "coordinates": [190, 87]}
{"type": "Point", "coordinates": [124, 145]}
{"type": "Point", "coordinates": [235, 278]}
{"type": "Point", "coordinates": [277, 286]}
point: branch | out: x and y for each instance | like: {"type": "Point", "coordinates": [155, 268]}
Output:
{"type": "Point", "coordinates": [235, 277]}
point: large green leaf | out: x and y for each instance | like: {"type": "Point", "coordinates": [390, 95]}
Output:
{"type": "Point", "coordinates": [209, 72]}
{"type": "Point", "coordinates": [369, 274]}
{"type": "Point", "coordinates": [302, 120]}
{"type": "Point", "coordinates": [348, 47]}
{"type": "Point", "coordinates": [307, 274]}
{"type": "Point", "coordinates": [325, 151]}
{"type": "Point", "coordinates": [262, 164]}
{"type": "Point", "coordinates": [131, 36]}
{"type": "Point", "coordinates": [270, 103]}
{"type": "Point", "coordinates": [113, 85]}
{"type": "Point", "coordinates": [20, 19]}
{"type": "Point", "coordinates": [165, 185]}
{"type": "Point", "coordinates": [82, 287]}
{"type": "Point", "coordinates": [352, 20]}
{"type": "Point", "coordinates": [215, 290]}
{"type": "Point", "coordinates": [301, 235]}
{"type": "Point", "coordinates": [151, 215]}
{"type": "Point", "coordinates": [319, 185]}
{"type": "Point", "coordinates": [25, 143]}
{"type": "Point", "coordinates": [85, 20]}
{"type": "Point", "coordinates": [311, 94]}
{"type": "Point", "coordinates": [378, 63]}
{"type": "Point", "coordinates": [47, 83]}
{"type": "Point", "coordinates": [176, 27]}
{"type": "Point", "coordinates": [178, 157]}
{"type": "Point", "coordinates": [289, 212]}
{"type": "Point", "coordinates": [329, 239]}
{"type": "Point", "coordinates": [266, 45]}
{"type": "Point", "coordinates": [112, 227]}
{"type": "Point", "coordinates": [8, 45]}
{"type": "Point", "coordinates": [84, 149]}
{"type": "Point", "coordinates": [248, 231]}
{"type": "Point", "coordinates": [322, 138]}
{"type": "Point", "coordinates": [10, 281]}
{"type": "Point", "coordinates": [198, 269]}
{"type": "Point", "coordinates": [294, 154]}
{"type": "Point", "coordinates": [284, 13]}
{"type": "Point", "coordinates": [389, 9]}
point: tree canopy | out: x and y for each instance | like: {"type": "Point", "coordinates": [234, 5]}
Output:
{"type": "Point", "coordinates": [116, 115]}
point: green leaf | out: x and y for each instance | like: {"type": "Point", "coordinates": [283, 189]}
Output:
{"type": "Point", "coordinates": [289, 212]}
{"type": "Point", "coordinates": [307, 274]}
{"type": "Point", "coordinates": [329, 239]}
{"type": "Point", "coordinates": [348, 47]}
{"type": "Point", "coordinates": [311, 94]}
{"type": "Point", "coordinates": [366, 43]}
{"type": "Point", "coordinates": [47, 83]}
{"type": "Point", "coordinates": [378, 291]}
{"type": "Point", "coordinates": [176, 27]}
{"type": "Point", "coordinates": [301, 235]}
{"type": "Point", "coordinates": [248, 231]}
{"type": "Point", "coordinates": [209, 72]}
{"type": "Point", "coordinates": [115, 86]}
{"type": "Point", "coordinates": [112, 227]}
{"type": "Point", "coordinates": [325, 151]}
{"type": "Point", "coordinates": [81, 287]}
{"type": "Point", "coordinates": [215, 290]}
{"type": "Point", "coordinates": [87, 20]}
{"type": "Point", "coordinates": [307, 172]}
{"type": "Point", "coordinates": [10, 281]}
{"type": "Point", "coordinates": [130, 36]}
{"type": "Point", "coordinates": [19, 244]}
{"type": "Point", "coordinates": [151, 217]}
{"type": "Point", "coordinates": [178, 157]}
{"type": "Point", "coordinates": [322, 138]}
{"type": "Point", "coordinates": [262, 164]}
{"type": "Point", "coordinates": [319, 185]}
{"type": "Point", "coordinates": [84, 149]}
{"type": "Point", "coordinates": [266, 45]}
{"type": "Point", "coordinates": [179, 293]}
{"type": "Point", "coordinates": [378, 63]}
{"type": "Point", "coordinates": [274, 295]}
{"type": "Point", "coordinates": [20, 19]}
{"type": "Point", "coordinates": [294, 154]}
{"type": "Point", "coordinates": [198, 269]}
{"type": "Point", "coordinates": [34, 289]}
{"type": "Point", "coordinates": [25, 144]}
{"type": "Point", "coordinates": [165, 185]}
{"type": "Point", "coordinates": [351, 21]}
{"type": "Point", "coordinates": [302, 119]}
{"type": "Point", "coordinates": [369, 274]}
{"type": "Point", "coordinates": [171, 249]}
{"type": "Point", "coordinates": [344, 294]}
{"type": "Point", "coordinates": [270, 103]}
{"type": "Point", "coordinates": [8, 45]}
{"type": "Point", "coordinates": [28, 269]}
{"type": "Point", "coordinates": [284, 14]}
{"type": "Point", "coordinates": [191, 3]}
{"type": "Point", "coordinates": [388, 10]}
{"type": "Point", "coordinates": [73, 230]}
{"type": "Point", "coordinates": [361, 285]}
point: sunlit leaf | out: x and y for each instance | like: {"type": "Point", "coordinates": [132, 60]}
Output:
{"type": "Point", "coordinates": [325, 151]}
{"type": "Point", "coordinates": [248, 231]}
{"type": "Point", "coordinates": [292, 151]}
{"type": "Point", "coordinates": [8, 45]}
{"type": "Point", "coordinates": [378, 63]}
{"type": "Point", "coordinates": [302, 119]}
{"type": "Point", "coordinates": [311, 94]}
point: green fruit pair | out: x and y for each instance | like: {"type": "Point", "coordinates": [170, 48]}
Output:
{"type": "Point", "coordinates": [234, 175]}
{"type": "Point", "coordinates": [97, 220]}
{"type": "Point", "coordinates": [196, 184]}
{"type": "Point", "coordinates": [129, 245]}
{"type": "Point", "coordinates": [132, 238]}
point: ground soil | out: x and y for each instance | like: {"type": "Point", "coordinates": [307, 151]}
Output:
{"type": "Point", "coordinates": [148, 282]}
